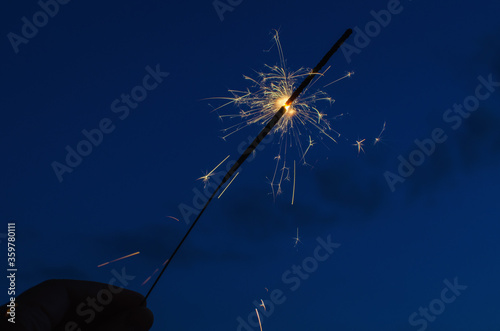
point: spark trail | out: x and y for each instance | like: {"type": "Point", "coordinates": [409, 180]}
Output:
{"type": "Point", "coordinates": [250, 149]}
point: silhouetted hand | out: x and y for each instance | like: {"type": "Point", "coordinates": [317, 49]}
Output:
{"type": "Point", "coordinates": [74, 305]}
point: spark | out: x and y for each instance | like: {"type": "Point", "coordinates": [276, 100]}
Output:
{"type": "Point", "coordinates": [297, 239]}
{"type": "Point", "coordinates": [263, 304]}
{"type": "Point", "coordinates": [258, 317]}
{"type": "Point", "coordinates": [149, 278]}
{"type": "Point", "coordinates": [268, 92]}
{"type": "Point", "coordinates": [349, 74]}
{"type": "Point", "coordinates": [207, 176]}
{"type": "Point", "coordinates": [228, 185]}
{"type": "Point", "coordinates": [121, 258]}
{"type": "Point", "coordinates": [379, 137]}
{"type": "Point", "coordinates": [359, 144]}
{"type": "Point", "coordinates": [173, 218]}
{"type": "Point", "coordinates": [311, 144]}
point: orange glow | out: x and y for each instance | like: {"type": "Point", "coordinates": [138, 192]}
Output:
{"type": "Point", "coordinates": [282, 102]}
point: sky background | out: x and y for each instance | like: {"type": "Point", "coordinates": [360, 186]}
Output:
{"type": "Point", "coordinates": [397, 248]}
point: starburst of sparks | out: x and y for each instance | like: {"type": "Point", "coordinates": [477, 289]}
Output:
{"type": "Point", "coordinates": [269, 91]}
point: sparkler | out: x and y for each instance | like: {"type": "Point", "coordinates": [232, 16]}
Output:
{"type": "Point", "coordinates": [269, 92]}
{"type": "Point", "coordinates": [274, 119]}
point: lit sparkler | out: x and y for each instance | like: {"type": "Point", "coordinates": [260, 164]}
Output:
{"type": "Point", "coordinates": [269, 92]}
{"type": "Point", "coordinates": [273, 121]}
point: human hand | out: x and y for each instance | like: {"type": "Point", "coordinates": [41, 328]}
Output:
{"type": "Point", "coordinates": [75, 305]}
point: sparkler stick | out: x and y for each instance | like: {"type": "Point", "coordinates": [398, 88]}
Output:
{"type": "Point", "coordinates": [250, 149]}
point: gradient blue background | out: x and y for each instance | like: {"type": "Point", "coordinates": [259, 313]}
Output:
{"type": "Point", "coordinates": [396, 248]}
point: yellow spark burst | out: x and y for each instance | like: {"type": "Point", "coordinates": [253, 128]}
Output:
{"type": "Point", "coordinates": [269, 91]}
{"type": "Point", "coordinates": [118, 259]}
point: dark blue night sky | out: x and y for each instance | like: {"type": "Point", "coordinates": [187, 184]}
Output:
{"type": "Point", "coordinates": [387, 245]}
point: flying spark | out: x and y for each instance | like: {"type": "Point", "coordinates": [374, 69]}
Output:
{"type": "Point", "coordinates": [349, 74]}
{"type": "Point", "coordinates": [121, 258]}
{"type": "Point", "coordinates": [359, 145]}
{"type": "Point", "coordinates": [207, 176]}
{"type": "Point", "coordinates": [297, 239]}
{"type": "Point", "coordinates": [228, 185]}
{"type": "Point", "coordinates": [258, 316]}
{"type": "Point", "coordinates": [149, 278]}
{"type": "Point", "coordinates": [263, 304]}
{"type": "Point", "coordinates": [379, 137]}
